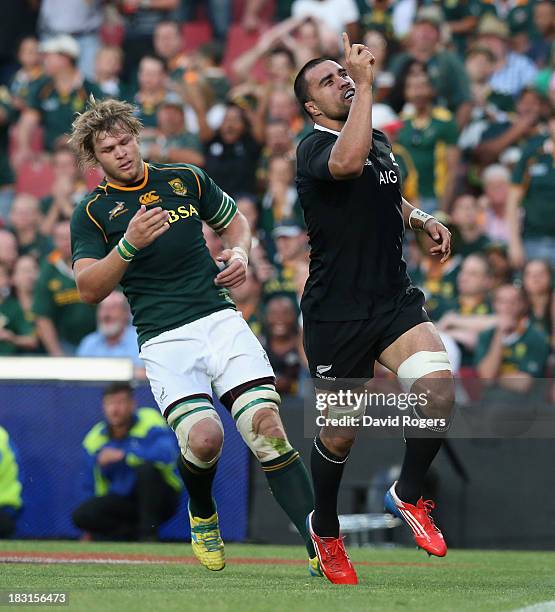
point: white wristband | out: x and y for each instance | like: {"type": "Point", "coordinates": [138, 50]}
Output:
{"type": "Point", "coordinates": [419, 215]}
{"type": "Point", "coordinates": [241, 254]}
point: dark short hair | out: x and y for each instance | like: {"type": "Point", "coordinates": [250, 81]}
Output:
{"type": "Point", "coordinates": [301, 84]}
{"type": "Point", "coordinates": [117, 387]}
{"type": "Point", "coordinates": [284, 51]}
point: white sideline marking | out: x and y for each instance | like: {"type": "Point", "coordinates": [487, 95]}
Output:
{"type": "Point", "coordinates": [542, 606]}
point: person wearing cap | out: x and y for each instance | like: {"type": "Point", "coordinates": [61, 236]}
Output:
{"type": "Point", "coordinates": [290, 241]}
{"type": "Point", "coordinates": [514, 71]}
{"type": "Point", "coordinates": [54, 99]}
{"type": "Point", "coordinates": [444, 67]}
{"type": "Point", "coordinates": [81, 19]}
{"type": "Point", "coordinates": [171, 142]}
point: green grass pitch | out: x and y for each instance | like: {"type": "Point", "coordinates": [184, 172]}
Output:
{"type": "Point", "coordinates": [261, 579]}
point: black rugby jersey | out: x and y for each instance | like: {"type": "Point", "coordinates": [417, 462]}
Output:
{"type": "Point", "coordinates": [355, 229]}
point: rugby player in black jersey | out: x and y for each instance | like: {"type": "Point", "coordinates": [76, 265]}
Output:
{"type": "Point", "coordinates": [358, 304]}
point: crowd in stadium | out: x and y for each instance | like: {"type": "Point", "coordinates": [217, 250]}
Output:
{"type": "Point", "coordinates": [465, 90]}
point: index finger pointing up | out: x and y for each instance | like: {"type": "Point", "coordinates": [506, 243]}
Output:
{"type": "Point", "coordinates": [346, 44]}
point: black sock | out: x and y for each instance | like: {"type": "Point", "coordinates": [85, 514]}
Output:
{"type": "Point", "coordinates": [291, 486]}
{"type": "Point", "coordinates": [199, 486]}
{"type": "Point", "coordinates": [327, 470]}
{"type": "Point", "coordinates": [419, 454]}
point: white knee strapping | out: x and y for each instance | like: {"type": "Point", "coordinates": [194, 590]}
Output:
{"type": "Point", "coordinates": [420, 364]}
{"type": "Point", "coordinates": [243, 410]}
{"type": "Point", "coordinates": [183, 417]}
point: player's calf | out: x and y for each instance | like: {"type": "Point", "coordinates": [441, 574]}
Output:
{"type": "Point", "coordinates": [255, 410]}
{"type": "Point", "coordinates": [200, 435]}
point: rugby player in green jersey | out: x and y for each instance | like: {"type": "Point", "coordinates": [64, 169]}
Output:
{"type": "Point", "coordinates": [142, 228]}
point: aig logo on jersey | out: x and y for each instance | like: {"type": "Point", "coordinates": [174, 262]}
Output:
{"type": "Point", "coordinates": [150, 198]}
{"type": "Point", "coordinates": [178, 187]}
{"type": "Point", "coordinates": [388, 177]}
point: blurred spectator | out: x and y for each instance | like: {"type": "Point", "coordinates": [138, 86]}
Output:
{"type": "Point", "coordinates": [465, 215]}
{"type": "Point", "coordinates": [62, 319]}
{"type": "Point", "coordinates": [283, 105]}
{"type": "Point", "coordinates": [464, 317]}
{"type": "Point", "coordinates": [279, 60]}
{"type": "Point", "coordinates": [498, 259]}
{"type": "Point", "coordinates": [396, 99]}
{"type": "Point", "coordinates": [280, 201]}
{"type": "Point", "coordinates": [496, 180]}
{"type": "Point", "coordinates": [246, 205]}
{"type": "Point", "coordinates": [486, 103]}
{"type": "Point", "coordinates": [429, 134]}
{"type": "Point", "coordinates": [25, 222]}
{"type": "Point", "coordinates": [542, 41]}
{"type": "Point", "coordinates": [383, 79]}
{"type": "Point", "coordinates": [514, 71]}
{"type": "Point", "coordinates": [82, 21]}
{"type": "Point", "coordinates": [108, 70]}
{"type": "Point", "coordinates": [54, 99]}
{"type": "Point", "coordinates": [151, 93]}
{"type": "Point", "coordinates": [278, 141]}
{"type": "Point", "coordinates": [291, 250]}
{"type": "Point", "coordinates": [10, 485]}
{"type": "Point", "coordinates": [168, 46]}
{"type": "Point", "coordinates": [219, 13]}
{"type": "Point", "coordinates": [17, 334]}
{"type": "Point", "coordinates": [31, 70]}
{"type": "Point", "coordinates": [141, 19]}
{"type": "Point", "coordinates": [7, 117]}
{"type": "Point", "coordinates": [130, 479]}
{"type": "Point", "coordinates": [513, 352]}
{"type": "Point", "coordinates": [68, 188]}
{"type": "Point", "coordinates": [537, 282]}
{"type": "Point", "coordinates": [170, 142]}
{"type": "Point", "coordinates": [338, 15]}
{"type": "Point", "coordinates": [247, 298]}
{"type": "Point", "coordinates": [446, 71]}
{"type": "Point", "coordinates": [24, 278]}
{"type": "Point", "coordinates": [114, 335]}
{"type": "Point", "coordinates": [377, 16]}
{"type": "Point", "coordinates": [534, 189]}
{"type": "Point", "coordinates": [461, 18]}
{"type": "Point", "coordinates": [436, 279]}
{"type": "Point", "coordinates": [231, 153]}
{"type": "Point", "coordinates": [500, 136]}
{"type": "Point", "coordinates": [8, 249]}
{"type": "Point", "coordinates": [209, 59]}
{"type": "Point", "coordinates": [282, 343]}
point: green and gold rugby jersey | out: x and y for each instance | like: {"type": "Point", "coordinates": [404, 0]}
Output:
{"type": "Point", "coordinates": [170, 282]}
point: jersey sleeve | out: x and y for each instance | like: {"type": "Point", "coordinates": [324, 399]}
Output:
{"type": "Point", "coordinates": [482, 348]}
{"type": "Point", "coordinates": [450, 133]}
{"type": "Point", "coordinates": [87, 236]}
{"type": "Point", "coordinates": [313, 157]}
{"type": "Point", "coordinates": [216, 207]}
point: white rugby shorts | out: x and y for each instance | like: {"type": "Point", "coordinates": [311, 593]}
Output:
{"type": "Point", "coordinates": [213, 354]}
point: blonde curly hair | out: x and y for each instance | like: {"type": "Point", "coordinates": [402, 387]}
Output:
{"type": "Point", "coordinates": [109, 116]}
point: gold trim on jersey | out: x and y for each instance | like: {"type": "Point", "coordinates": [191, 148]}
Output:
{"type": "Point", "coordinates": [93, 219]}
{"type": "Point", "coordinates": [143, 183]}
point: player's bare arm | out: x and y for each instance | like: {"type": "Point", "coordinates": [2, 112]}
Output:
{"type": "Point", "coordinates": [237, 241]}
{"type": "Point", "coordinates": [418, 220]}
{"type": "Point", "coordinates": [97, 278]}
{"type": "Point", "coordinates": [355, 140]}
